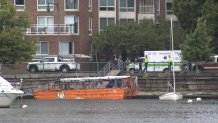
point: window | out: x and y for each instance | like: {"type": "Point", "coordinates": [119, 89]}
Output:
{"type": "Point", "coordinates": [45, 24]}
{"type": "Point", "coordinates": [127, 5]}
{"type": "Point", "coordinates": [169, 7]}
{"type": "Point", "coordinates": [19, 5]}
{"type": "Point", "coordinates": [65, 48]}
{"type": "Point", "coordinates": [42, 5]}
{"type": "Point", "coordinates": [42, 48]}
{"type": "Point", "coordinates": [90, 25]}
{"type": "Point", "coordinates": [72, 24]}
{"type": "Point", "coordinates": [48, 60]}
{"type": "Point", "coordinates": [104, 22]}
{"type": "Point", "coordinates": [126, 20]}
{"type": "Point", "coordinates": [107, 5]}
{"type": "Point", "coordinates": [146, 7]}
{"type": "Point", "coordinates": [71, 5]}
{"type": "Point", "coordinates": [90, 5]}
{"type": "Point", "coordinates": [158, 6]}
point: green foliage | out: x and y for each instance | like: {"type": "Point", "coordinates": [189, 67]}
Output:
{"type": "Point", "coordinates": [196, 46]}
{"type": "Point", "coordinates": [210, 14]}
{"type": "Point", "coordinates": [13, 46]}
{"type": "Point", "coordinates": [188, 12]}
{"type": "Point", "coordinates": [98, 44]}
{"type": "Point", "coordinates": [133, 38]}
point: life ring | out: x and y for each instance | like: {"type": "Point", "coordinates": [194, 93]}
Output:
{"type": "Point", "coordinates": [61, 95]}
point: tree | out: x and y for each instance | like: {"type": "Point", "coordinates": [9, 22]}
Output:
{"type": "Point", "coordinates": [132, 39]}
{"type": "Point", "coordinates": [13, 46]}
{"type": "Point", "coordinates": [196, 46]}
{"type": "Point", "coordinates": [210, 14]}
{"type": "Point", "coordinates": [99, 45]}
{"type": "Point", "coordinates": [188, 12]}
{"type": "Point", "coordinates": [117, 39]}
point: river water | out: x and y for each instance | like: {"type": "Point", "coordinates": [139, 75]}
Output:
{"type": "Point", "coordinates": [111, 111]}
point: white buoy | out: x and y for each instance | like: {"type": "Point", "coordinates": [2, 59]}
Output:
{"type": "Point", "coordinates": [198, 99]}
{"type": "Point", "coordinates": [24, 106]}
{"type": "Point", "coordinates": [189, 101]}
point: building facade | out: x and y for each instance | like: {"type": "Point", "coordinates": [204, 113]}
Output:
{"type": "Point", "coordinates": [65, 27]}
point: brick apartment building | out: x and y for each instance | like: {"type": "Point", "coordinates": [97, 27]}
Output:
{"type": "Point", "coordinates": [67, 26]}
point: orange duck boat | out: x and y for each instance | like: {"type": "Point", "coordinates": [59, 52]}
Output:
{"type": "Point", "coordinates": [107, 87]}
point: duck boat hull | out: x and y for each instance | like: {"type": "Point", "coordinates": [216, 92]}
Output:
{"type": "Point", "coordinates": [87, 88]}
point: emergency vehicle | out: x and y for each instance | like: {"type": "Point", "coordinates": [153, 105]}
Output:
{"type": "Point", "coordinates": [158, 61]}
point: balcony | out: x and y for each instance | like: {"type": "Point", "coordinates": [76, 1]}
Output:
{"type": "Point", "coordinates": [61, 29]}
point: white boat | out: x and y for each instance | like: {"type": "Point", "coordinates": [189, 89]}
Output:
{"type": "Point", "coordinates": [173, 95]}
{"type": "Point", "coordinates": [7, 93]}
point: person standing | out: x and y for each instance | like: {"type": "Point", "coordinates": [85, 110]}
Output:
{"type": "Point", "coordinates": [127, 63]}
{"type": "Point", "coordinates": [120, 62]}
{"type": "Point", "coordinates": [146, 60]}
{"type": "Point", "coordinates": [140, 64]}
{"type": "Point", "coordinates": [170, 61]}
{"type": "Point", "coordinates": [115, 62]}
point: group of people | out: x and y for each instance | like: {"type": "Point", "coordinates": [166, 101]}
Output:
{"type": "Point", "coordinates": [117, 62]}
{"type": "Point", "coordinates": [146, 61]}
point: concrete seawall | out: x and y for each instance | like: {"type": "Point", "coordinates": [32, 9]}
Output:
{"type": "Point", "coordinates": [151, 84]}
{"type": "Point", "coordinates": [190, 84]}
{"type": "Point", "coordinates": [185, 82]}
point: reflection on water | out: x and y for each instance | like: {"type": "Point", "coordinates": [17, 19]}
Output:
{"type": "Point", "coordinates": [111, 111]}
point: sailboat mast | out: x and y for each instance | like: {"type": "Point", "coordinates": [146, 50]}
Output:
{"type": "Point", "coordinates": [174, 85]}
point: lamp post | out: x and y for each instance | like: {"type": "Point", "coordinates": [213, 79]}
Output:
{"type": "Point", "coordinates": [48, 10]}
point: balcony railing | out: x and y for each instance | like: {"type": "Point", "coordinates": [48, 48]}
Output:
{"type": "Point", "coordinates": [61, 29]}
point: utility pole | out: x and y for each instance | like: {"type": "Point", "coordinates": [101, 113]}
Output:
{"type": "Point", "coordinates": [58, 11]}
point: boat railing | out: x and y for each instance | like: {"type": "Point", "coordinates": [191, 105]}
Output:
{"type": "Point", "coordinates": [133, 88]}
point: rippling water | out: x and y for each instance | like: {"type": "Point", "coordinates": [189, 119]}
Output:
{"type": "Point", "coordinates": [111, 111]}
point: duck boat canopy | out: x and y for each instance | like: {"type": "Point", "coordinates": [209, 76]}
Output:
{"type": "Point", "coordinates": [93, 78]}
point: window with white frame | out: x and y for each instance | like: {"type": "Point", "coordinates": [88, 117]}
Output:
{"type": "Point", "coordinates": [107, 5]}
{"type": "Point", "coordinates": [71, 5]}
{"type": "Point", "coordinates": [90, 5]}
{"type": "Point", "coordinates": [127, 5]}
{"type": "Point", "coordinates": [42, 5]}
{"type": "Point", "coordinates": [42, 48]}
{"type": "Point", "coordinates": [104, 22]}
{"type": "Point", "coordinates": [169, 7]}
{"type": "Point", "coordinates": [146, 6]}
{"type": "Point", "coordinates": [65, 48]}
{"type": "Point", "coordinates": [19, 5]}
{"type": "Point", "coordinates": [90, 25]}
{"type": "Point", "coordinates": [45, 24]}
{"type": "Point", "coordinates": [72, 24]}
